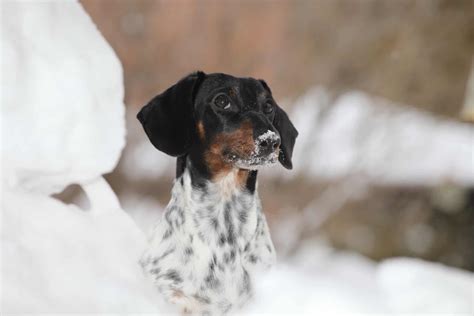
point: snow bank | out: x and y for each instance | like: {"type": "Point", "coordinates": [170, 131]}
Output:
{"type": "Point", "coordinates": [62, 123]}
{"type": "Point", "coordinates": [62, 97]}
{"type": "Point", "coordinates": [414, 286]}
{"type": "Point", "coordinates": [383, 142]}
{"type": "Point", "coordinates": [321, 281]}
{"type": "Point", "coordinates": [62, 259]}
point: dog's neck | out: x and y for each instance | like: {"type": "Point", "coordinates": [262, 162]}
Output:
{"type": "Point", "coordinates": [213, 208]}
{"type": "Point", "coordinates": [231, 181]}
{"type": "Point", "coordinates": [212, 241]}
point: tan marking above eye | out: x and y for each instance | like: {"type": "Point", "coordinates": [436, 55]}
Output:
{"type": "Point", "coordinates": [233, 91]}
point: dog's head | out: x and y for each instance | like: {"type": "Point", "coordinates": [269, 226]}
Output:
{"type": "Point", "coordinates": [233, 122]}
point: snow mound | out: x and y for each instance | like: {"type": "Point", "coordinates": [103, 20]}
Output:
{"type": "Point", "coordinates": [62, 123]}
{"type": "Point", "coordinates": [62, 259]}
{"type": "Point", "coordinates": [319, 280]}
{"type": "Point", "coordinates": [412, 285]}
{"type": "Point", "coordinates": [54, 58]}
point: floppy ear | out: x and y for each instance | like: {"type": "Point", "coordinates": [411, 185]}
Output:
{"type": "Point", "coordinates": [168, 119]}
{"type": "Point", "coordinates": [288, 133]}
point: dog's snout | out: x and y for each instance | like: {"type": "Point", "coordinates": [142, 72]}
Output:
{"type": "Point", "coordinates": [268, 142]}
{"type": "Point", "coordinates": [273, 143]}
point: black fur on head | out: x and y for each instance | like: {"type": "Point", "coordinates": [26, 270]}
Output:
{"type": "Point", "coordinates": [221, 122]}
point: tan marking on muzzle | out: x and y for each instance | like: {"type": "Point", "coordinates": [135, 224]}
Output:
{"type": "Point", "coordinates": [239, 142]}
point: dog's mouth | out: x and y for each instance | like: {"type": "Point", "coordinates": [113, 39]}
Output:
{"type": "Point", "coordinates": [266, 149]}
{"type": "Point", "coordinates": [253, 162]}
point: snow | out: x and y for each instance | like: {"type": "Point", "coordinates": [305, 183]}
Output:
{"type": "Point", "coordinates": [144, 162]}
{"type": "Point", "coordinates": [267, 135]}
{"type": "Point", "coordinates": [319, 280]}
{"type": "Point", "coordinates": [413, 286]}
{"type": "Point", "coordinates": [145, 211]}
{"type": "Point", "coordinates": [62, 123]}
{"type": "Point", "coordinates": [59, 258]}
{"type": "Point", "coordinates": [54, 58]}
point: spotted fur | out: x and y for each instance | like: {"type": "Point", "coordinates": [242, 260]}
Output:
{"type": "Point", "coordinates": [208, 245]}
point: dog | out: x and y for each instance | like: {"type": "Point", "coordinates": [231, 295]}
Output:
{"type": "Point", "coordinates": [213, 238]}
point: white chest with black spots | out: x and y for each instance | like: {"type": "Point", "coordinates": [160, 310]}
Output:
{"type": "Point", "coordinates": [208, 246]}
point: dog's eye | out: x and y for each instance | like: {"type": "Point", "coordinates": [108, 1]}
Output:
{"type": "Point", "coordinates": [222, 101]}
{"type": "Point", "coordinates": [268, 108]}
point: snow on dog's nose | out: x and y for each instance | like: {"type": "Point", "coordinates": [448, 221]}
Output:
{"type": "Point", "coordinates": [267, 143]}
{"type": "Point", "coordinates": [266, 150]}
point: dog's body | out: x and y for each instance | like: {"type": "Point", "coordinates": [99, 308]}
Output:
{"type": "Point", "coordinates": [216, 238]}
{"type": "Point", "coordinates": [213, 238]}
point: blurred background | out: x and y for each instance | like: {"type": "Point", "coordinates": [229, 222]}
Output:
{"type": "Point", "coordinates": [378, 90]}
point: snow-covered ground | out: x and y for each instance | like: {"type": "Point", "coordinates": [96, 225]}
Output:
{"type": "Point", "coordinates": [319, 280]}
{"type": "Point", "coordinates": [62, 123]}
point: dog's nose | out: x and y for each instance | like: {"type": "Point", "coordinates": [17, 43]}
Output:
{"type": "Point", "coordinates": [268, 142]}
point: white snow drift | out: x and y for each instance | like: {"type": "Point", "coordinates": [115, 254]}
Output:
{"type": "Point", "coordinates": [62, 123]}
{"type": "Point", "coordinates": [62, 97]}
